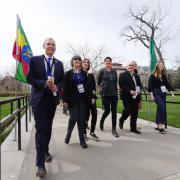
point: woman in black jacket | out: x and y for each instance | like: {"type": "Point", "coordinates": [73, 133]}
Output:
{"type": "Point", "coordinates": [107, 80]}
{"type": "Point", "coordinates": [76, 95]}
{"type": "Point", "coordinates": [158, 85]}
{"type": "Point", "coordinates": [91, 107]}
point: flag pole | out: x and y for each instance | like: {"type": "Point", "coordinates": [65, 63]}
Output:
{"type": "Point", "coordinates": [149, 75]}
{"type": "Point", "coordinates": [16, 46]}
{"type": "Point", "coordinates": [15, 130]}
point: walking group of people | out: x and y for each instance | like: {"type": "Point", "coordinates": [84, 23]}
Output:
{"type": "Point", "coordinates": [47, 77]}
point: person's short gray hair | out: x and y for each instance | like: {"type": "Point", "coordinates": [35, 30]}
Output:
{"type": "Point", "coordinates": [47, 39]}
{"type": "Point", "coordinates": [130, 63]}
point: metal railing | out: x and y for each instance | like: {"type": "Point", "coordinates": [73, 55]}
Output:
{"type": "Point", "coordinates": [8, 123]}
{"type": "Point", "coordinates": [167, 102]}
{"type": "Point", "coordinates": [145, 98]}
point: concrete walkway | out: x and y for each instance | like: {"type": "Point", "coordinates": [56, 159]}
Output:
{"type": "Point", "coordinates": [149, 156]}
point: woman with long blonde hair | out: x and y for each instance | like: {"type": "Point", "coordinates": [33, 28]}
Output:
{"type": "Point", "coordinates": [158, 86]}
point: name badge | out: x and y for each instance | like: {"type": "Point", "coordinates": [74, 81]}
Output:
{"type": "Point", "coordinates": [80, 88]}
{"type": "Point", "coordinates": [163, 89]}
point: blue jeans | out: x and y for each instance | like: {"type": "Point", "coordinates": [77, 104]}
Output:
{"type": "Point", "coordinates": [160, 99]}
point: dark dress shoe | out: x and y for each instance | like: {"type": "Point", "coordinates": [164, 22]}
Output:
{"type": "Point", "coordinates": [84, 145]}
{"type": "Point", "coordinates": [101, 126]}
{"type": "Point", "coordinates": [66, 140]}
{"type": "Point", "coordinates": [121, 124]}
{"type": "Point", "coordinates": [41, 172]}
{"type": "Point", "coordinates": [48, 157]}
{"type": "Point", "coordinates": [162, 131]}
{"type": "Point", "coordinates": [115, 133]}
{"type": "Point", "coordinates": [135, 131]}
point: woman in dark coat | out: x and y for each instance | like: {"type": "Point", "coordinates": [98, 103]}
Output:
{"type": "Point", "coordinates": [76, 95]}
{"type": "Point", "coordinates": [107, 80]}
{"type": "Point", "coordinates": [91, 107]}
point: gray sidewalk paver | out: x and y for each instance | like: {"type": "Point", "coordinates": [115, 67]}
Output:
{"type": "Point", "coordinates": [149, 156]}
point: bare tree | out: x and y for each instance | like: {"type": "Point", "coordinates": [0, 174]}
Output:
{"type": "Point", "coordinates": [147, 23]}
{"type": "Point", "coordinates": [95, 55]}
{"type": "Point", "coordinates": [12, 70]}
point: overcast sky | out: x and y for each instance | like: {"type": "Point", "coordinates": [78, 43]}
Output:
{"type": "Point", "coordinates": [93, 22]}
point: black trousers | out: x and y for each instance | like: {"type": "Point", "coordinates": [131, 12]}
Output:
{"type": "Point", "coordinates": [110, 103]}
{"type": "Point", "coordinates": [130, 109]}
{"type": "Point", "coordinates": [90, 109]}
{"type": "Point", "coordinates": [76, 113]}
{"type": "Point", "coordinates": [43, 116]}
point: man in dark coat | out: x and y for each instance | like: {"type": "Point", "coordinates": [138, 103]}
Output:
{"type": "Point", "coordinates": [46, 75]}
{"type": "Point", "coordinates": [130, 90]}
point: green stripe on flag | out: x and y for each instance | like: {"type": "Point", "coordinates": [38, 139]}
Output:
{"type": "Point", "coordinates": [153, 58]}
{"type": "Point", "coordinates": [20, 74]}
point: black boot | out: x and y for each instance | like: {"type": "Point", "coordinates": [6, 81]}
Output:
{"type": "Point", "coordinates": [115, 133]}
{"type": "Point", "coordinates": [121, 123]}
{"type": "Point", "coordinates": [101, 125]}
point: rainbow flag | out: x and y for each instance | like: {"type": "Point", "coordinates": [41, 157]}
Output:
{"type": "Point", "coordinates": [22, 53]}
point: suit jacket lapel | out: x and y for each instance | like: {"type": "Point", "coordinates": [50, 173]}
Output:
{"type": "Point", "coordinates": [131, 79]}
{"type": "Point", "coordinates": [42, 65]}
{"type": "Point", "coordinates": [55, 67]}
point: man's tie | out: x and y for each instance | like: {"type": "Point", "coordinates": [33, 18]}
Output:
{"type": "Point", "coordinates": [49, 66]}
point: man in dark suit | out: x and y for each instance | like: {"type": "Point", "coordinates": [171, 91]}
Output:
{"type": "Point", "coordinates": [130, 90]}
{"type": "Point", "coordinates": [46, 75]}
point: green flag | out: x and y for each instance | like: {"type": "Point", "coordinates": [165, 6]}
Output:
{"type": "Point", "coordinates": [154, 58]}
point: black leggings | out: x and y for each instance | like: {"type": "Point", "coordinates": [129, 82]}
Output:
{"type": "Point", "coordinates": [110, 103]}
{"type": "Point", "coordinates": [93, 110]}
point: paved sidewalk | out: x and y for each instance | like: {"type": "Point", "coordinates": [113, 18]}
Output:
{"type": "Point", "coordinates": [11, 158]}
{"type": "Point", "coordinates": [149, 156]}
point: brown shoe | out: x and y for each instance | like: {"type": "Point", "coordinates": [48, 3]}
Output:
{"type": "Point", "coordinates": [41, 172]}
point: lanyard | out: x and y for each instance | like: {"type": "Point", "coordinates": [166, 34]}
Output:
{"type": "Point", "coordinates": [49, 68]}
{"type": "Point", "coordinates": [78, 75]}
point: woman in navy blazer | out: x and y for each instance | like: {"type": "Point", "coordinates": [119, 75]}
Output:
{"type": "Point", "coordinates": [158, 85]}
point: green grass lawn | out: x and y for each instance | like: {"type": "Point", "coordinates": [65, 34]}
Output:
{"type": "Point", "coordinates": [148, 111]}
{"type": "Point", "coordinates": [6, 109]}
